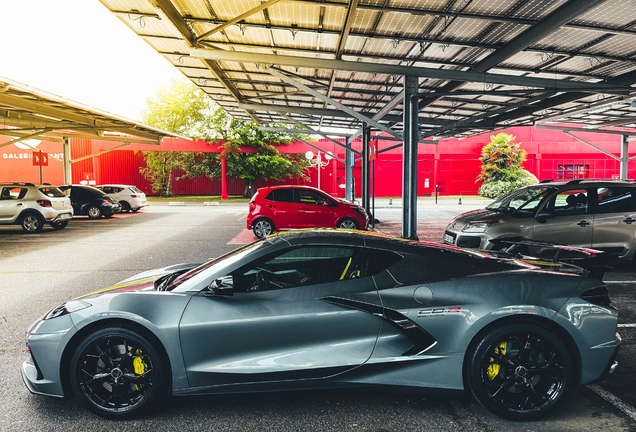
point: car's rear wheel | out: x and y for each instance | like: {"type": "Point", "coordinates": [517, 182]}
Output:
{"type": "Point", "coordinates": [94, 212]}
{"type": "Point", "coordinates": [519, 371]}
{"type": "Point", "coordinates": [125, 207]}
{"type": "Point", "coordinates": [263, 227]}
{"type": "Point", "coordinates": [347, 223]}
{"type": "Point", "coordinates": [59, 225]}
{"type": "Point", "coordinates": [32, 223]}
{"type": "Point", "coordinates": [117, 372]}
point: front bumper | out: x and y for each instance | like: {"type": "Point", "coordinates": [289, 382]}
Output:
{"type": "Point", "coordinates": [35, 386]}
{"type": "Point", "coordinates": [111, 209]}
{"type": "Point", "coordinates": [467, 240]}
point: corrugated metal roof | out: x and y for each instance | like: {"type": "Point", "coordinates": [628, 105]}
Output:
{"type": "Point", "coordinates": [587, 41]}
{"type": "Point", "coordinates": [26, 111]}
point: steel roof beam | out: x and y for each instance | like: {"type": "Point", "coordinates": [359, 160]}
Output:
{"type": "Point", "coordinates": [397, 99]}
{"type": "Point", "coordinates": [237, 19]}
{"type": "Point", "coordinates": [322, 134]}
{"type": "Point", "coordinates": [547, 25]}
{"type": "Point", "coordinates": [174, 16]}
{"type": "Point", "coordinates": [444, 74]}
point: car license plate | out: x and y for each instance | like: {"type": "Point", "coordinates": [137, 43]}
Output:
{"type": "Point", "coordinates": [64, 216]}
{"type": "Point", "coordinates": [449, 239]}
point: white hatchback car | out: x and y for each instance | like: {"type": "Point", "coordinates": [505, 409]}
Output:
{"type": "Point", "coordinates": [130, 198]}
{"type": "Point", "coordinates": [32, 206]}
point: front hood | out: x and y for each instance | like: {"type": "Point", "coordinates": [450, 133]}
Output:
{"type": "Point", "coordinates": [475, 216]}
{"type": "Point", "coordinates": [141, 282]}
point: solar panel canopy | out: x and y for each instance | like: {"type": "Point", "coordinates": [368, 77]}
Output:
{"type": "Point", "coordinates": [480, 64]}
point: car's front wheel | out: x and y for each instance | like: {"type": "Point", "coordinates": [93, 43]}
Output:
{"type": "Point", "coordinates": [94, 212]}
{"type": "Point", "coordinates": [117, 372]}
{"type": "Point", "coordinates": [347, 223]}
{"type": "Point", "coordinates": [32, 223]}
{"type": "Point", "coordinates": [263, 227]}
{"type": "Point", "coordinates": [519, 371]}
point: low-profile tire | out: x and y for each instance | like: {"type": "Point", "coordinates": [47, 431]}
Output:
{"type": "Point", "coordinates": [125, 207]}
{"type": "Point", "coordinates": [32, 223]}
{"type": "Point", "coordinates": [347, 223]}
{"type": "Point", "coordinates": [135, 210]}
{"type": "Point", "coordinates": [117, 372]}
{"type": "Point", "coordinates": [59, 225]}
{"type": "Point", "coordinates": [520, 370]}
{"type": "Point", "coordinates": [94, 212]}
{"type": "Point", "coordinates": [263, 227]}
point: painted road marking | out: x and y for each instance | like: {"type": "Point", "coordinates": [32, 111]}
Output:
{"type": "Point", "coordinates": [616, 401]}
{"type": "Point", "coordinates": [627, 325]}
{"type": "Point", "coordinates": [634, 281]}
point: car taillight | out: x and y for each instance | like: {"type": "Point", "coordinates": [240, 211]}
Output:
{"type": "Point", "coordinates": [135, 196]}
{"type": "Point", "coordinates": [44, 203]}
{"type": "Point", "coordinates": [106, 202]}
{"type": "Point", "coordinates": [252, 205]}
{"type": "Point", "coordinates": [598, 296]}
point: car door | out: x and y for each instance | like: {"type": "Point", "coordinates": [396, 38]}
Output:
{"type": "Point", "coordinates": [614, 219]}
{"type": "Point", "coordinates": [11, 203]}
{"type": "Point", "coordinates": [315, 209]}
{"type": "Point", "coordinates": [567, 220]}
{"type": "Point", "coordinates": [292, 315]}
{"type": "Point", "coordinates": [283, 206]}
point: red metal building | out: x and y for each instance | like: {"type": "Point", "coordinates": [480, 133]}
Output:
{"type": "Point", "coordinates": [452, 165]}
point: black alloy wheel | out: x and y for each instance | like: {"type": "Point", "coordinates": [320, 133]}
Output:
{"type": "Point", "coordinates": [125, 207]}
{"type": "Point", "coordinates": [32, 223]}
{"type": "Point", "coordinates": [263, 227]}
{"type": "Point", "coordinates": [519, 371]}
{"type": "Point", "coordinates": [94, 212]}
{"type": "Point", "coordinates": [116, 372]}
{"type": "Point", "coordinates": [59, 225]}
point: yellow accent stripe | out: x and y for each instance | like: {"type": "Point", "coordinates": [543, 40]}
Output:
{"type": "Point", "coordinates": [151, 279]}
{"type": "Point", "coordinates": [345, 270]}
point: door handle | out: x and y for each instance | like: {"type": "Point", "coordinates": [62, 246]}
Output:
{"type": "Point", "coordinates": [270, 206]}
{"type": "Point", "coordinates": [584, 223]}
{"type": "Point", "coordinates": [629, 220]}
{"type": "Point", "coordinates": [19, 205]}
{"type": "Point", "coordinates": [303, 208]}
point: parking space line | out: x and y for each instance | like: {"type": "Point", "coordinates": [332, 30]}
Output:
{"type": "Point", "coordinates": [616, 401]}
{"type": "Point", "coordinates": [628, 281]}
{"type": "Point", "coordinates": [627, 325]}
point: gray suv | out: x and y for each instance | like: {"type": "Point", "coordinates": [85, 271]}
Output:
{"type": "Point", "coordinates": [584, 213]}
{"type": "Point", "coordinates": [32, 206]}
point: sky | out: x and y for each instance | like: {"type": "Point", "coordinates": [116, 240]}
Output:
{"type": "Point", "coordinates": [78, 50]}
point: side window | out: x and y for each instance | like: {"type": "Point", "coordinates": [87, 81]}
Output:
{"type": "Point", "coordinates": [301, 266]}
{"type": "Point", "coordinates": [569, 202]}
{"type": "Point", "coordinates": [281, 195]}
{"type": "Point", "coordinates": [615, 200]}
{"type": "Point", "coordinates": [117, 189]}
{"type": "Point", "coordinates": [13, 193]}
{"type": "Point", "coordinates": [311, 197]}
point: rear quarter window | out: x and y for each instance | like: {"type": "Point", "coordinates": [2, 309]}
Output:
{"type": "Point", "coordinates": [52, 192]}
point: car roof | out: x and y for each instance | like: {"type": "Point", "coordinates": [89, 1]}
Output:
{"type": "Point", "coordinates": [115, 185]}
{"type": "Point", "coordinates": [27, 184]}
{"type": "Point", "coordinates": [583, 182]}
{"type": "Point", "coordinates": [268, 188]}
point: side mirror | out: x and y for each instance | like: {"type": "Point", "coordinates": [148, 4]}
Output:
{"type": "Point", "coordinates": [543, 215]}
{"type": "Point", "coordinates": [223, 286]}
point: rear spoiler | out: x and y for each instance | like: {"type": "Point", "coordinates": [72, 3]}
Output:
{"type": "Point", "coordinates": [593, 262]}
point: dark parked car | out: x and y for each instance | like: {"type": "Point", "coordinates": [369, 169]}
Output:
{"type": "Point", "coordinates": [89, 201]}
{"type": "Point", "coordinates": [288, 207]}
{"type": "Point", "coordinates": [330, 309]}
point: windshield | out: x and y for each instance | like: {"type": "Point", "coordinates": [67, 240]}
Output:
{"type": "Point", "coordinates": [524, 200]}
{"type": "Point", "coordinates": [191, 279]}
{"type": "Point", "coordinates": [52, 192]}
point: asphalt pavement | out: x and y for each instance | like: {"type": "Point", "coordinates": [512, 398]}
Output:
{"type": "Point", "coordinates": [38, 272]}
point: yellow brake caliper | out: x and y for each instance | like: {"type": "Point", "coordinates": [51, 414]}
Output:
{"type": "Point", "coordinates": [140, 367]}
{"type": "Point", "coordinates": [493, 368]}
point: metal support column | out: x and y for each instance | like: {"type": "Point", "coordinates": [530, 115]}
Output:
{"type": "Point", "coordinates": [349, 157]}
{"type": "Point", "coordinates": [366, 137]}
{"type": "Point", "coordinates": [624, 156]}
{"type": "Point", "coordinates": [68, 178]}
{"type": "Point", "coordinates": [409, 155]}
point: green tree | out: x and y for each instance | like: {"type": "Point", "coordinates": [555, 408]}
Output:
{"type": "Point", "coordinates": [178, 107]}
{"type": "Point", "coordinates": [501, 170]}
{"type": "Point", "coordinates": [266, 163]}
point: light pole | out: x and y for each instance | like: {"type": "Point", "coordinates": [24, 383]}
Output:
{"type": "Point", "coordinates": [317, 162]}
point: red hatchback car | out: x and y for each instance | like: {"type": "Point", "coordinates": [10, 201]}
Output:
{"type": "Point", "coordinates": [289, 207]}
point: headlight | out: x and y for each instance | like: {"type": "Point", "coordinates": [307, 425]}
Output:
{"type": "Point", "coordinates": [359, 209]}
{"type": "Point", "coordinates": [480, 227]}
{"type": "Point", "coordinates": [66, 308]}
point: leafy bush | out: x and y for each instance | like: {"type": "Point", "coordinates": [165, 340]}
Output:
{"type": "Point", "coordinates": [499, 188]}
{"type": "Point", "coordinates": [501, 170]}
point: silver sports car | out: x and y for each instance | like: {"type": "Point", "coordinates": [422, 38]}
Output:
{"type": "Point", "coordinates": [332, 308]}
